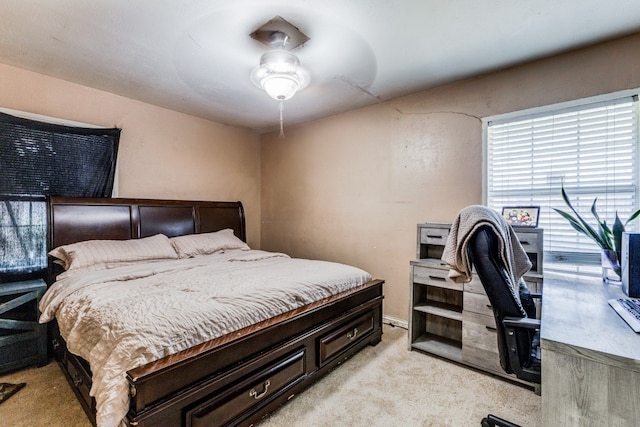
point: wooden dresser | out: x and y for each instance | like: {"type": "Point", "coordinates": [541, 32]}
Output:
{"type": "Point", "coordinates": [455, 320]}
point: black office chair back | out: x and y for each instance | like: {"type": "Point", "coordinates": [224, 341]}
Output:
{"type": "Point", "coordinates": [484, 252]}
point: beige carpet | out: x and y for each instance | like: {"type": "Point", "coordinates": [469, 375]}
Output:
{"type": "Point", "coordinates": [383, 386]}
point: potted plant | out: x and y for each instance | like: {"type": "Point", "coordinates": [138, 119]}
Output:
{"type": "Point", "coordinates": [609, 239]}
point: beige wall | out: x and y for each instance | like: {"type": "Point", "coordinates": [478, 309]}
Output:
{"type": "Point", "coordinates": [348, 188]}
{"type": "Point", "coordinates": [352, 187]}
{"type": "Point", "coordinates": [162, 154]}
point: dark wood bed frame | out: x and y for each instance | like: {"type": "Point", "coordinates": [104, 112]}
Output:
{"type": "Point", "coordinates": [235, 379]}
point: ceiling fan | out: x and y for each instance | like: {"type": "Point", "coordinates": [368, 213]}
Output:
{"type": "Point", "coordinates": [279, 72]}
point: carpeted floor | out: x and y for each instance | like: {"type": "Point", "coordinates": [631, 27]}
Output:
{"type": "Point", "coordinates": [382, 386]}
{"type": "Point", "coordinates": [46, 400]}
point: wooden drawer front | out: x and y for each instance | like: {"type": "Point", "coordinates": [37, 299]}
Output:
{"type": "Point", "coordinates": [434, 277]}
{"type": "Point", "coordinates": [480, 331]}
{"type": "Point", "coordinates": [480, 342]}
{"type": "Point", "coordinates": [534, 284]}
{"type": "Point", "coordinates": [59, 349]}
{"type": "Point", "coordinates": [434, 236]}
{"type": "Point", "coordinates": [475, 285]}
{"type": "Point", "coordinates": [345, 336]}
{"type": "Point", "coordinates": [79, 377]}
{"type": "Point", "coordinates": [529, 241]}
{"type": "Point", "coordinates": [484, 359]}
{"type": "Point", "coordinates": [477, 303]}
{"type": "Point", "coordinates": [262, 386]}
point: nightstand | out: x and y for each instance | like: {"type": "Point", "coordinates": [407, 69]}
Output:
{"type": "Point", "coordinates": [23, 341]}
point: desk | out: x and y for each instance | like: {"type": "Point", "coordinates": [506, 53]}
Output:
{"type": "Point", "coordinates": [590, 357]}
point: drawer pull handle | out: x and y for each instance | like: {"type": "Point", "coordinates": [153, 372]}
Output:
{"type": "Point", "coordinates": [442, 279]}
{"type": "Point", "coordinates": [524, 242]}
{"type": "Point", "coordinates": [253, 393]}
{"type": "Point", "coordinates": [352, 335]}
{"type": "Point", "coordinates": [77, 381]}
{"type": "Point", "coordinates": [433, 236]}
{"type": "Point", "coordinates": [491, 328]}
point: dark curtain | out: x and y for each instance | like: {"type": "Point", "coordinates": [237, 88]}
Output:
{"type": "Point", "coordinates": [36, 160]}
{"type": "Point", "coordinates": [46, 159]}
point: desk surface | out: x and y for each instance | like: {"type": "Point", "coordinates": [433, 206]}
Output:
{"type": "Point", "coordinates": [590, 357]}
{"type": "Point", "coordinates": [576, 317]}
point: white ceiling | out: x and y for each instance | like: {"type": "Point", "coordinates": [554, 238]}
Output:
{"type": "Point", "coordinates": [195, 56]}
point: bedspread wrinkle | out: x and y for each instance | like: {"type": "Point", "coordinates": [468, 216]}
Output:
{"type": "Point", "coordinates": [122, 318]}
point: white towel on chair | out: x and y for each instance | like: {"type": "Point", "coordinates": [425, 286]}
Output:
{"type": "Point", "coordinates": [466, 223]}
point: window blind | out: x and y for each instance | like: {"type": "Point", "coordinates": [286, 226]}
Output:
{"type": "Point", "coordinates": [591, 149]}
{"type": "Point", "coordinates": [38, 159]}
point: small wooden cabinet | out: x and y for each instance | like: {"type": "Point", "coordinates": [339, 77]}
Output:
{"type": "Point", "coordinates": [23, 341]}
{"type": "Point", "coordinates": [455, 320]}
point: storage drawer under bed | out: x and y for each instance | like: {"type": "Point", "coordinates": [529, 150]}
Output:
{"type": "Point", "coordinates": [80, 375]}
{"type": "Point", "coordinates": [338, 340]}
{"type": "Point", "coordinates": [263, 385]}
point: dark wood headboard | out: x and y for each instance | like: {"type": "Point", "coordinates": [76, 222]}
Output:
{"type": "Point", "coordinates": [72, 219]}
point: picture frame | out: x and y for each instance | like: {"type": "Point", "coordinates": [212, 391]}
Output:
{"type": "Point", "coordinates": [521, 216]}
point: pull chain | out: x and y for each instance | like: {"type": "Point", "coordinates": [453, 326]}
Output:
{"type": "Point", "coordinates": [281, 108]}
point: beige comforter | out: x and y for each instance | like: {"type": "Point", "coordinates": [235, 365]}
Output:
{"type": "Point", "coordinates": [125, 317]}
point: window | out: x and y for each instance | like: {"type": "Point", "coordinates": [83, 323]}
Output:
{"type": "Point", "coordinates": [590, 147]}
{"type": "Point", "coordinates": [38, 159]}
{"type": "Point", "coordinates": [23, 231]}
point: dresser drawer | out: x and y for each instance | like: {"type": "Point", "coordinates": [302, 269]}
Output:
{"type": "Point", "coordinates": [261, 386]}
{"type": "Point", "coordinates": [477, 303]}
{"type": "Point", "coordinates": [434, 236]}
{"type": "Point", "coordinates": [435, 277]}
{"type": "Point", "coordinates": [487, 360]}
{"type": "Point", "coordinates": [480, 342]}
{"type": "Point", "coordinates": [345, 336]}
{"type": "Point", "coordinates": [529, 241]}
{"type": "Point", "coordinates": [534, 284]}
{"type": "Point", "coordinates": [483, 329]}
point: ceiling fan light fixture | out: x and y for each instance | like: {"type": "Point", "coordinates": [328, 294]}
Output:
{"type": "Point", "coordinates": [280, 87]}
{"type": "Point", "coordinates": [280, 74]}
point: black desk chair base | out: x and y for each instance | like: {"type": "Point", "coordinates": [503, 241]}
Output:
{"type": "Point", "coordinates": [493, 421]}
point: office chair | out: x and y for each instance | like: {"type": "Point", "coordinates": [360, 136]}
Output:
{"type": "Point", "coordinates": [518, 330]}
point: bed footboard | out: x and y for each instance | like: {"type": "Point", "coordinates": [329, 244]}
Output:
{"type": "Point", "coordinates": [239, 378]}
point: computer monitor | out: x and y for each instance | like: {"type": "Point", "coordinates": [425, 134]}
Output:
{"type": "Point", "coordinates": [630, 264]}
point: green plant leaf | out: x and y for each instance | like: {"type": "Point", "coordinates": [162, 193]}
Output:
{"type": "Point", "coordinates": [594, 211]}
{"type": "Point", "coordinates": [578, 226]}
{"type": "Point", "coordinates": [632, 217]}
{"type": "Point", "coordinates": [586, 228]}
{"type": "Point", "coordinates": [605, 237]}
{"type": "Point", "coordinates": [618, 229]}
{"type": "Point", "coordinates": [603, 230]}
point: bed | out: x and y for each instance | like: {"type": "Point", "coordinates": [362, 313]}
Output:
{"type": "Point", "coordinates": [236, 377]}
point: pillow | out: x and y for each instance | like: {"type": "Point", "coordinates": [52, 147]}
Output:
{"type": "Point", "coordinates": [101, 254]}
{"type": "Point", "coordinates": [207, 243]}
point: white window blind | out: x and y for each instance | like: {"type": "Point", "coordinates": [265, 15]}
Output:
{"type": "Point", "coordinates": [592, 149]}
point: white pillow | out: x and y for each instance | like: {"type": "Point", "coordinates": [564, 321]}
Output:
{"type": "Point", "coordinates": [207, 243]}
{"type": "Point", "coordinates": [100, 254]}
